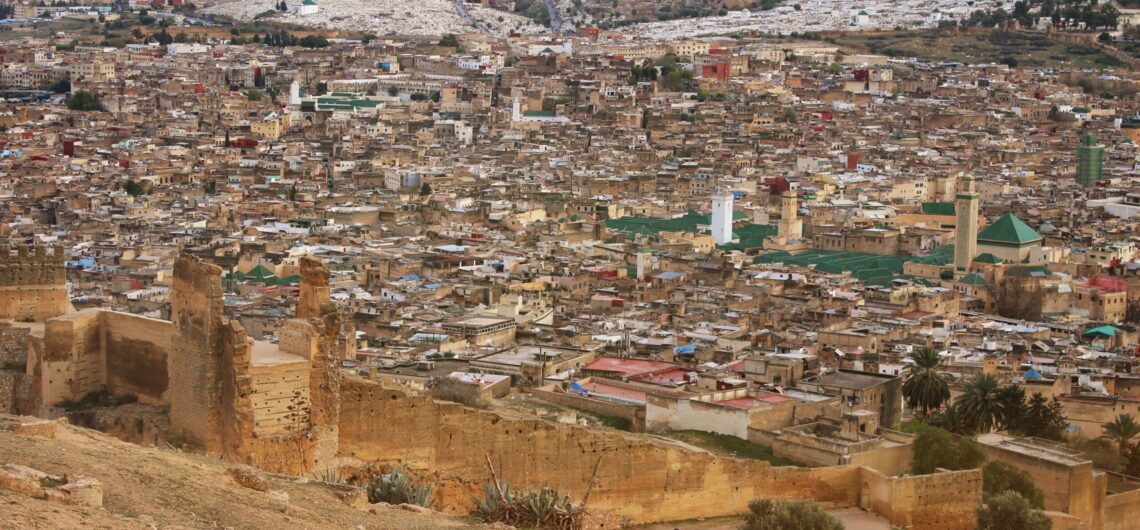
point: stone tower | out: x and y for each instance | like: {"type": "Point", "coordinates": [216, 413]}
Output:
{"type": "Point", "coordinates": [33, 284]}
{"type": "Point", "coordinates": [966, 238]}
{"type": "Point", "coordinates": [790, 226]}
{"type": "Point", "coordinates": [196, 358]}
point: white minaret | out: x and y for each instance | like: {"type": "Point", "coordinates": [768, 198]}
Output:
{"type": "Point", "coordinates": [295, 94]}
{"type": "Point", "coordinates": [722, 216]}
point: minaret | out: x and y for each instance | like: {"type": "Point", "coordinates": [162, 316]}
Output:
{"type": "Point", "coordinates": [790, 226]}
{"type": "Point", "coordinates": [966, 239]}
{"type": "Point", "coordinates": [295, 94]}
{"type": "Point", "coordinates": [722, 216]}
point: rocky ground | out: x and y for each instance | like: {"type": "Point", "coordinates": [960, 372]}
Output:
{"type": "Point", "coordinates": [161, 488]}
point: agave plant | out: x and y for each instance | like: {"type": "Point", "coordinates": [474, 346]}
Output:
{"type": "Point", "coordinates": [545, 507]}
{"type": "Point", "coordinates": [330, 476]}
{"type": "Point", "coordinates": [399, 487]}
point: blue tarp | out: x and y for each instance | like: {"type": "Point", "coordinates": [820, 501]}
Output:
{"type": "Point", "coordinates": [579, 389]}
{"type": "Point", "coordinates": [686, 349]}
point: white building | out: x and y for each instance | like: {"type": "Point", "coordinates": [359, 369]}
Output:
{"type": "Point", "coordinates": [722, 216]}
{"type": "Point", "coordinates": [307, 7]}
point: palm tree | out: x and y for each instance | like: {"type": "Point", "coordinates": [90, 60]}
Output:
{"type": "Point", "coordinates": [1121, 430]}
{"type": "Point", "coordinates": [926, 389]}
{"type": "Point", "coordinates": [980, 403]}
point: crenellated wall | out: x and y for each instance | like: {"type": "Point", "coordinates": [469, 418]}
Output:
{"type": "Point", "coordinates": [33, 284]}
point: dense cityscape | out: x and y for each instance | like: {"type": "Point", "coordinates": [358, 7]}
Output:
{"type": "Point", "coordinates": [572, 264]}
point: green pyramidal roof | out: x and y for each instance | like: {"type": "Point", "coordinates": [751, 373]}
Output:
{"type": "Point", "coordinates": [1009, 229]}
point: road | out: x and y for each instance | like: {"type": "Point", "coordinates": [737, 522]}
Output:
{"type": "Point", "coordinates": [555, 18]}
{"type": "Point", "coordinates": [461, 6]}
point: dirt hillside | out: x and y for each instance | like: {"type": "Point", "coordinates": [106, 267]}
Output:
{"type": "Point", "coordinates": [166, 489]}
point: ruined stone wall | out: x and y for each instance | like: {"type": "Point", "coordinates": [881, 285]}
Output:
{"type": "Point", "coordinates": [136, 350]}
{"type": "Point", "coordinates": [195, 357]}
{"type": "Point", "coordinates": [280, 398]}
{"type": "Point", "coordinates": [33, 284]}
{"type": "Point", "coordinates": [639, 478]}
{"type": "Point", "coordinates": [288, 453]}
{"type": "Point", "coordinates": [73, 357]}
{"type": "Point", "coordinates": [942, 501]}
{"type": "Point", "coordinates": [13, 344]}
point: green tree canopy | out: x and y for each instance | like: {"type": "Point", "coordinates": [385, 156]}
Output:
{"type": "Point", "coordinates": [767, 514]}
{"type": "Point", "coordinates": [84, 101]}
{"type": "Point", "coordinates": [926, 389]}
{"type": "Point", "coordinates": [1121, 431]}
{"type": "Point", "coordinates": [935, 448]}
{"type": "Point", "coordinates": [999, 477]}
{"type": "Point", "coordinates": [1008, 510]}
{"type": "Point", "coordinates": [980, 403]}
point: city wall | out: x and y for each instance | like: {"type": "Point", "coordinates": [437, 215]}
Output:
{"type": "Point", "coordinates": [33, 284]}
{"type": "Point", "coordinates": [944, 501]}
{"type": "Point", "coordinates": [92, 349]}
{"type": "Point", "coordinates": [635, 414]}
{"type": "Point", "coordinates": [1073, 488]}
{"type": "Point", "coordinates": [1122, 510]}
{"type": "Point", "coordinates": [640, 479]}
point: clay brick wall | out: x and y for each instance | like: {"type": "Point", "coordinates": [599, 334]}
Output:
{"type": "Point", "coordinates": [136, 350]}
{"type": "Point", "coordinates": [280, 398]}
{"type": "Point", "coordinates": [73, 359]}
{"type": "Point", "coordinates": [195, 377]}
{"type": "Point", "coordinates": [635, 414]}
{"type": "Point", "coordinates": [1122, 510]}
{"type": "Point", "coordinates": [639, 479]}
{"type": "Point", "coordinates": [13, 344]}
{"type": "Point", "coordinates": [33, 284]}
{"type": "Point", "coordinates": [942, 501]}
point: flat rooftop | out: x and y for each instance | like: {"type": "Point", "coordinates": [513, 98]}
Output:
{"type": "Point", "coordinates": [852, 380]}
{"type": "Point", "coordinates": [266, 354]}
{"type": "Point", "coordinates": [1035, 449]}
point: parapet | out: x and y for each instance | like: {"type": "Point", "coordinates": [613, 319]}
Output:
{"type": "Point", "coordinates": [32, 265]}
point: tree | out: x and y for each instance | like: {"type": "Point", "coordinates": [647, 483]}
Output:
{"type": "Point", "coordinates": [393, 91]}
{"type": "Point", "coordinates": [449, 41]}
{"type": "Point", "coordinates": [425, 190]}
{"type": "Point", "coordinates": [133, 188]}
{"type": "Point", "coordinates": [926, 389]}
{"type": "Point", "coordinates": [951, 419]}
{"type": "Point", "coordinates": [999, 477]}
{"type": "Point", "coordinates": [1011, 510]}
{"type": "Point", "coordinates": [979, 403]}
{"type": "Point", "coordinates": [790, 115]}
{"type": "Point", "coordinates": [62, 86]}
{"type": "Point", "coordinates": [254, 95]}
{"type": "Point", "coordinates": [1043, 419]}
{"type": "Point", "coordinates": [1121, 431]}
{"type": "Point", "coordinates": [84, 101]}
{"type": "Point", "coordinates": [293, 192]}
{"type": "Point", "coordinates": [1011, 401]}
{"type": "Point", "coordinates": [935, 448]}
{"type": "Point", "coordinates": [767, 514]}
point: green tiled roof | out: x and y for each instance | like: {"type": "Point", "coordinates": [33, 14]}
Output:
{"type": "Point", "coordinates": [871, 269]}
{"type": "Point", "coordinates": [988, 258]}
{"type": "Point", "coordinates": [748, 236]}
{"type": "Point", "coordinates": [1009, 229]}
{"type": "Point", "coordinates": [938, 208]}
{"type": "Point", "coordinates": [1103, 331]}
{"type": "Point", "coordinates": [972, 279]}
